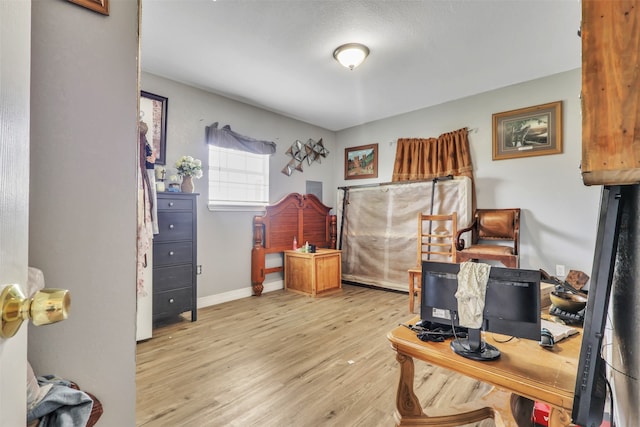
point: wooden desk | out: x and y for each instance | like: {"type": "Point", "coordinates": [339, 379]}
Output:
{"type": "Point", "coordinates": [313, 274]}
{"type": "Point", "coordinates": [524, 369]}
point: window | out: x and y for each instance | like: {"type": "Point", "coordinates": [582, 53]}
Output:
{"type": "Point", "coordinates": [237, 179]}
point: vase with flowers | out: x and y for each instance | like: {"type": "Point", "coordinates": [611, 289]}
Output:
{"type": "Point", "coordinates": [188, 168]}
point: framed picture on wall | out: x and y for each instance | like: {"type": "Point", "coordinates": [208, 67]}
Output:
{"type": "Point", "coordinates": [531, 131]}
{"type": "Point", "coordinates": [153, 112]}
{"type": "Point", "coordinates": [100, 6]}
{"type": "Point", "coordinates": [361, 162]}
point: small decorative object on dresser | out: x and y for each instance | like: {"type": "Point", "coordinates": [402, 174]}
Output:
{"type": "Point", "coordinates": [174, 257]}
{"type": "Point", "coordinates": [187, 184]}
{"type": "Point", "coordinates": [188, 168]}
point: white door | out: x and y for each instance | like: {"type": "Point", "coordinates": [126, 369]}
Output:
{"type": "Point", "coordinates": [15, 51]}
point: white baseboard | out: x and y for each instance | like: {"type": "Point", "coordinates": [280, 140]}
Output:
{"type": "Point", "coordinates": [237, 294]}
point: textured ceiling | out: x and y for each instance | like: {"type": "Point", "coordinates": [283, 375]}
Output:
{"type": "Point", "coordinates": [277, 55]}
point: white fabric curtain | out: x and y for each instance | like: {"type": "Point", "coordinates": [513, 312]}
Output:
{"type": "Point", "coordinates": [380, 227]}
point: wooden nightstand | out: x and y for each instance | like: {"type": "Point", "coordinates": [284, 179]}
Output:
{"type": "Point", "coordinates": [313, 274]}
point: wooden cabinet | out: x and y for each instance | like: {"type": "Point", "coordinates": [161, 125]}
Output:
{"type": "Point", "coordinates": [174, 256]}
{"type": "Point", "coordinates": [314, 274]}
{"type": "Point", "coordinates": [610, 34]}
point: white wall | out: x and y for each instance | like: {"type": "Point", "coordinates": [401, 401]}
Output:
{"type": "Point", "coordinates": [225, 239]}
{"type": "Point", "coordinates": [559, 217]}
{"type": "Point", "coordinates": [84, 145]}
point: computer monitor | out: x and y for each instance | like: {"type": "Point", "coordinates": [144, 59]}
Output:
{"type": "Point", "coordinates": [591, 383]}
{"type": "Point", "coordinates": [512, 306]}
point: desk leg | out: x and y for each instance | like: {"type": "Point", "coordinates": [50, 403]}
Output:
{"type": "Point", "coordinates": [407, 404]}
{"type": "Point", "coordinates": [409, 413]}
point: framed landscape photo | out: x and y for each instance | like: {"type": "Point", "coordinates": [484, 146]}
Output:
{"type": "Point", "coordinates": [531, 131]}
{"type": "Point", "coordinates": [153, 112]}
{"type": "Point", "coordinates": [361, 162]}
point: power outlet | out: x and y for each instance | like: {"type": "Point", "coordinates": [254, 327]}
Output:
{"type": "Point", "coordinates": [198, 269]}
{"type": "Point", "coordinates": [560, 270]}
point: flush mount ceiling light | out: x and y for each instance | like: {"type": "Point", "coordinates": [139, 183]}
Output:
{"type": "Point", "coordinates": [351, 55]}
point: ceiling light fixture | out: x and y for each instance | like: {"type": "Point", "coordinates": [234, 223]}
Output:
{"type": "Point", "coordinates": [351, 55]}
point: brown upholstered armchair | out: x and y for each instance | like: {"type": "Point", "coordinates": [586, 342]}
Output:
{"type": "Point", "coordinates": [495, 235]}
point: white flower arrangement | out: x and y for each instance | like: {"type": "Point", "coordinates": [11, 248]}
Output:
{"type": "Point", "coordinates": [188, 166]}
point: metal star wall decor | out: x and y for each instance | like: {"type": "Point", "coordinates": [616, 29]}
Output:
{"type": "Point", "coordinates": [288, 169]}
{"type": "Point", "coordinates": [311, 151]}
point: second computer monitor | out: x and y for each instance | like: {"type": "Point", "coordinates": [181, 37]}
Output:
{"type": "Point", "coordinates": [512, 305]}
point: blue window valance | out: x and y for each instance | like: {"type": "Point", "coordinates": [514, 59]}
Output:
{"type": "Point", "coordinates": [226, 138]}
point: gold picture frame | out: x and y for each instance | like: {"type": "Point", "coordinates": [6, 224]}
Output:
{"type": "Point", "coordinates": [531, 131]}
{"type": "Point", "coordinates": [100, 6]}
{"type": "Point", "coordinates": [361, 162]}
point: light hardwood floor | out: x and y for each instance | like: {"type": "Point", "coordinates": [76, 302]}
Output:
{"type": "Point", "coordinates": [283, 360]}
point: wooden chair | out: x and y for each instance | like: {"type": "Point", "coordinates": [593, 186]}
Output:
{"type": "Point", "coordinates": [436, 242]}
{"type": "Point", "coordinates": [488, 227]}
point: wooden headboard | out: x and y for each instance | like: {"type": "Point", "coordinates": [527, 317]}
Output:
{"type": "Point", "coordinates": [301, 216]}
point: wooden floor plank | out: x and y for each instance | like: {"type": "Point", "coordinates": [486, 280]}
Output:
{"type": "Point", "coordinates": [285, 359]}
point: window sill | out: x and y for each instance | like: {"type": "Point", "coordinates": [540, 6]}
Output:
{"type": "Point", "coordinates": [235, 208]}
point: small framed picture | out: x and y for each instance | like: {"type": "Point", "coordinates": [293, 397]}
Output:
{"type": "Point", "coordinates": [361, 162]}
{"type": "Point", "coordinates": [100, 6]}
{"type": "Point", "coordinates": [153, 112]}
{"type": "Point", "coordinates": [531, 131]}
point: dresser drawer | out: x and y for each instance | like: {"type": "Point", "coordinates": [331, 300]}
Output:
{"type": "Point", "coordinates": [172, 253]}
{"type": "Point", "coordinates": [172, 302]}
{"type": "Point", "coordinates": [169, 204]}
{"type": "Point", "coordinates": [174, 277]}
{"type": "Point", "coordinates": [174, 226]}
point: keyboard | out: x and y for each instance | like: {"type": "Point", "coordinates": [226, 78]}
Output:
{"type": "Point", "coordinates": [566, 316]}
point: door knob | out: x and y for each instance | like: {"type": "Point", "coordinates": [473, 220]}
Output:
{"type": "Point", "coordinates": [47, 306]}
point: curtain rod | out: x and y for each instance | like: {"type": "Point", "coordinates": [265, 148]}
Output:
{"type": "Point", "coordinates": [384, 184]}
{"type": "Point", "coordinates": [472, 130]}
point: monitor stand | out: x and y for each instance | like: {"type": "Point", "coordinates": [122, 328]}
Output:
{"type": "Point", "coordinates": [474, 347]}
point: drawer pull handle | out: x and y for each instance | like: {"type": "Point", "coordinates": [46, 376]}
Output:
{"type": "Point", "coordinates": [170, 253]}
{"type": "Point", "coordinates": [170, 204]}
{"type": "Point", "coordinates": [170, 226]}
{"type": "Point", "coordinates": [170, 300]}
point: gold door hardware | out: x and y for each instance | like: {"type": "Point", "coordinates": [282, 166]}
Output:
{"type": "Point", "coordinates": [47, 306]}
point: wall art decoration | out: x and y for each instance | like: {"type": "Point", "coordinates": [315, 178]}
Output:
{"type": "Point", "coordinates": [311, 151]}
{"type": "Point", "coordinates": [531, 131]}
{"type": "Point", "coordinates": [100, 6]}
{"type": "Point", "coordinates": [153, 111]}
{"type": "Point", "coordinates": [361, 162]}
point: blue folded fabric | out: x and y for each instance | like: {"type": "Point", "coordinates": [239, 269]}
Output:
{"type": "Point", "coordinates": [62, 406]}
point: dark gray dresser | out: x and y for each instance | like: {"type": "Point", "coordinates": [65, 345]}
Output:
{"type": "Point", "coordinates": [174, 257]}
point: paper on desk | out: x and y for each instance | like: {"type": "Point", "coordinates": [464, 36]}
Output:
{"type": "Point", "coordinates": [558, 330]}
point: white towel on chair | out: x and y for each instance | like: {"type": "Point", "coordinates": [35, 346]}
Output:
{"type": "Point", "coordinates": [472, 289]}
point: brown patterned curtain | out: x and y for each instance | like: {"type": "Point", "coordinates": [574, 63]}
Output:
{"type": "Point", "coordinates": [420, 159]}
